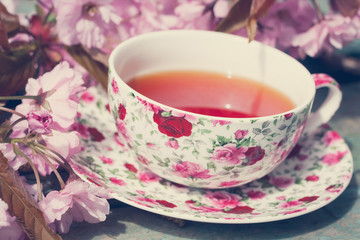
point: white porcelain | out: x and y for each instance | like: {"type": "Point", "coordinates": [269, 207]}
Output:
{"type": "Point", "coordinates": [316, 172]}
{"type": "Point", "coordinates": [204, 151]}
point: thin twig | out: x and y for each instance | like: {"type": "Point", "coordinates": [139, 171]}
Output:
{"type": "Point", "coordinates": [7, 133]}
{"type": "Point", "coordinates": [57, 174]}
{"type": "Point", "coordinates": [36, 173]}
{"type": "Point", "coordinates": [12, 111]}
{"type": "Point", "coordinates": [18, 97]}
{"type": "Point", "coordinates": [64, 162]}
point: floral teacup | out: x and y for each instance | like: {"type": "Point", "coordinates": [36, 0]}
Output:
{"type": "Point", "coordinates": [208, 151]}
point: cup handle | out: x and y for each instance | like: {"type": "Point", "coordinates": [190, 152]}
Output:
{"type": "Point", "coordinates": [330, 105]}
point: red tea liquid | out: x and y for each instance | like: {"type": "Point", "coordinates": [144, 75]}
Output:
{"type": "Point", "coordinates": [212, 94]}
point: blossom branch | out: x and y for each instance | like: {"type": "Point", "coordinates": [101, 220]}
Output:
{"type": "Point", "coordinates": [12, 111]}
{"type": "Point", "coordinates": [46, 150]}
{"type": "Point", "coordinates": [18, 152]}
{"type": "Point", "coordinates": [44, 156]}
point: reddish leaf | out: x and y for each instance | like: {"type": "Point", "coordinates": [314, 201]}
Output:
{"type": "Point", "coordinates": [16, 68]}
{"type": "Point", "coordinates": [22, 205]}
{"type": "Point", "coordinates": [4, 43]}
{"type": "Point", "coordinates": [251, 28]}
{"type": "Point", "coordinates": [95, 68]}
{"type": "Point", "coordinates": [347, 8]}
{"type": "Point", "coordinates": [10, 21]}
{"type": "Point", "coordinates": [237, 16]}
{"type": "Point", "coordinates": [260, 7]}
{"type": "Point", "coordinates": [245, 13]}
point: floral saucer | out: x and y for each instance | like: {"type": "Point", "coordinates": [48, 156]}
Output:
{"type": "Point", "coordinates": [316, 172]}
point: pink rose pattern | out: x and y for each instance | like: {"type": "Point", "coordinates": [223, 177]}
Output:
{"type": "Point", "coordinates": [144, 188]}
{"type": "Point", "coordinates": [229, 154]}
{"type": "Point", "coordinates": [190, 170]}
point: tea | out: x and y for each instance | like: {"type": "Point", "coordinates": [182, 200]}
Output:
{"type": "Point", "coordinates": [212, 94]}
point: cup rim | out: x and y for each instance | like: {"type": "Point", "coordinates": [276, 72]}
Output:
{"type": "Point", "coordinates": [123, 44]}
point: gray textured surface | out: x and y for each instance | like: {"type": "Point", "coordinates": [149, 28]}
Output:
{"type": "Point", "coordinates": [338, 220]}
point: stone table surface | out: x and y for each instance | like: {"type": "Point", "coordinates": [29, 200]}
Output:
{"type": "Point", "coordinates": [338, 220]}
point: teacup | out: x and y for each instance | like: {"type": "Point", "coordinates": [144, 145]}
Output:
{"type": "Point", "coordinates": [208, 151]}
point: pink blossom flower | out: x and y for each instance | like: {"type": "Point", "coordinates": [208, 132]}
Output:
{"type": "Point", "coordinates": [222, 199]}
{"type": "Point", "coordinates": [57, 91]}
{"type": "Point", "coordinates": [330, 137]}
{"type": "Point", "coordinates": [195, 15]}
{"type": "Point", "coordinates": [230, 183]}
{"type": "Point", "coordinates": [147, 177]}
{"type": "Point", "coordinates": [229, 154]}
{"type": "Point", "coordinates": [282, 23]}
{"type": "Point", "coordinates": [67, 144]}
{"type": "Point", "coordinates": [334, 31]}
{"type": "Point", "coordinates": [190, 170]}
{"type": "Point", "coordinates": [40, 121]}
{"type": "Point", "coordinates": [289, 204]}
{"type": "Point", "coordinates": [221, 8]}
{"type": "Point", "coordinates": [239, 134]}
{"type": "Point", "coordinates": [173, 143]}
{"type": "Point", "coordinates": [14, 161]}
{"type": "Point", "coordinates": [90, 23]}
{"type": "Point", "coordinates": [281, 182]}
{"type": "Point", "coordinates": [9, 228]}
{"type": "Point", "coordinates": [333, 158]}
{"type": "Point", "coordinates": [83, 200]}
{"type": "Point", "coordinates": [253, 194]}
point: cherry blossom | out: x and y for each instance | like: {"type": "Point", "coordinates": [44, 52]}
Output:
{"type": "Point", "coordinates": [78, 198]}
{"type": "Point", "coordinates": [9, 228]}
{"type": "Point", "coordinates": [57, 93]}
{"type": "Point", "coordinates": [91, 23]}
{"type": "Point", "coordinates": [40, 121]}
{"type": "Point", "coordinates": [334, 31]}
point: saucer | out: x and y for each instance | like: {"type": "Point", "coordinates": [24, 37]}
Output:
{"type": "Point", "coordinates": [317, 171]}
